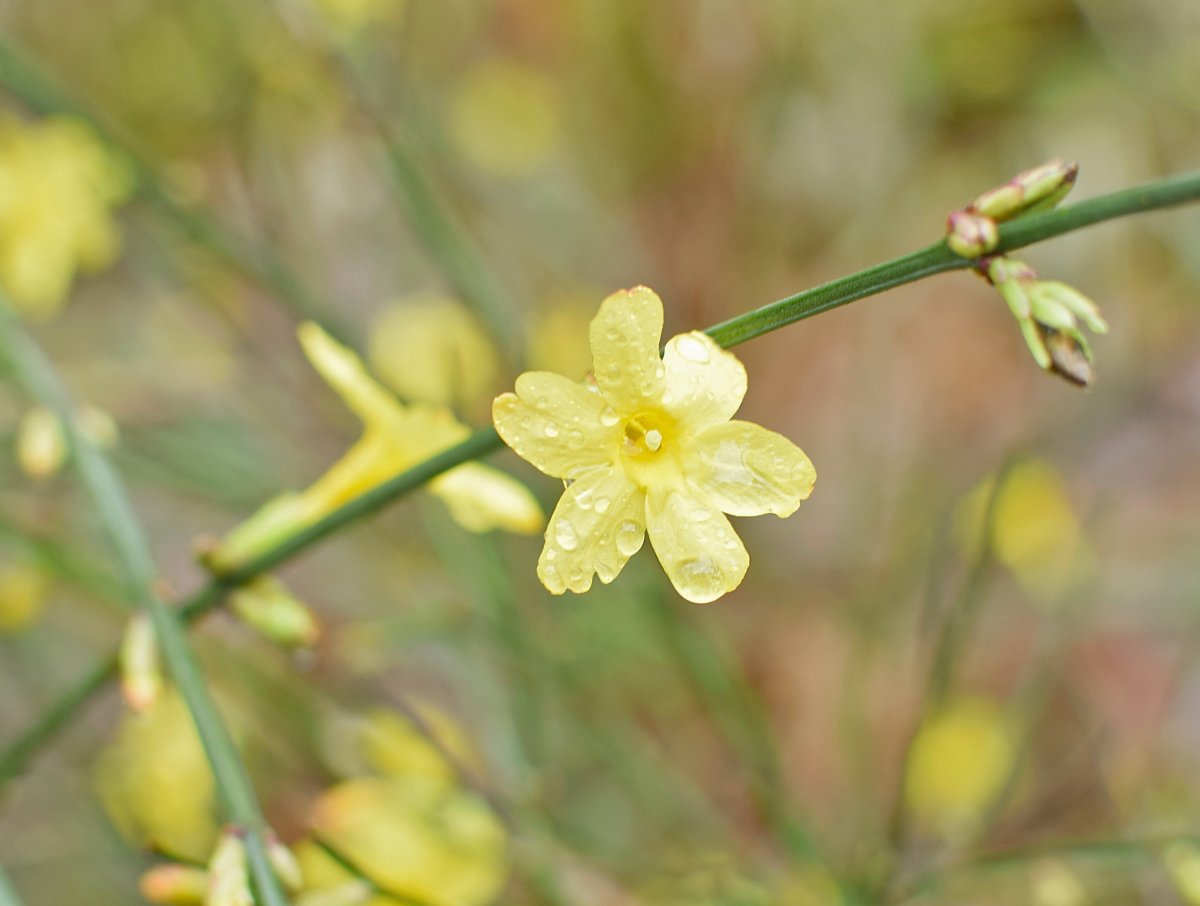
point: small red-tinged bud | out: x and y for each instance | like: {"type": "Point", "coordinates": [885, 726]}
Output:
{"type": "Point", "coordinates": [1036, 189]}
{"type": "Point", "coordinates": [174, 885]}
{"type": "Point", "coordinates": [267, 605]}
{"type": "Point", "coordinates": [971, 235]}
{"type": "Point", "coordinates": [141, 673]}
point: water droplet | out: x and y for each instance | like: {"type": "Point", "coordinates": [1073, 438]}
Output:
{"type": "Point", "coordinates": [575, 438]}
{"type": "Point", "coordinates": [542, 402]}
{"type": "Point", "coordinates": [629, 537]}
{"type": "Point", "coordinates": [564, 534]}
{"type": "Point", "coordinates": [608, 417]}
{"type": "Point", "coordinates": [700, 514]}
{"type": "Point", "coordinates": [692, 349]}
{"type": "Point", "coordinates": [653, 440]}
{"type": "Point", "coordinates": [702, 577]}
{"type": "Point", "coordinates": [551, 553]}
{"type": "Point", "coordinates": [551, 429]}
{"type": "Point", "coordinates": [668, 398]}
{"type": "Point", "coordinates": [602, 504]}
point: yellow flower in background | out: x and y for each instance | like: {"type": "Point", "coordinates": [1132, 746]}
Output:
{"type": "Point", "coordinates": [24, 587]}
{"type": "Point", "coordinates": [959, 762]}
{"type": "Point", "coordinates": [58, 185]}
{"type": "Point", "coordinates": [1034, 532]}
{"type": "Point", "coordinates": [155, 782]}
{"type": "Point", "coordinates": [430, 349]}
{"type": "Point", "coordinates": [1182, 860]}
{"type": "Point", "coordinates": [507, 117]}
{"type": "Point", "coordinates": [395, 437]}
{"type": "Point", "coordinates": [1052, 882]}
{"type": "Point", "coordinates": [652, 449]}
{"type": "Point", "coordinates": [388, 743]}
{"type": "Point", "coordinates": [42, 443]}
{"type": "Point", "coordinates": [353, 14]}
{"type": "Point", "coordinates": [412, 837]}
{"type": "Point", "coordinates": [558, 335]}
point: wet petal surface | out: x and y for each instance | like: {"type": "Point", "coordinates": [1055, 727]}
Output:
{"type": "Point", "coordinates": [745, 470]}
{"type": "Point", "coordinates": [697, 547]}
{"type": "Point", "coordinates": [624, 338]}
{"type": "Point", "coordinates": [481, 498]}
{"type": "Point", "coordinates": [704, 383]}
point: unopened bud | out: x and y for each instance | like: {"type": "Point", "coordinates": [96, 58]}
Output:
{"type": "Point", "coordinates": [268, 528]}
{"type": "Point", "coordinates": [971, 235]}
{"type": "Point", "coordinates": [267, 605]}
{"type": "Point", "coordinates": [228, 881]}
{"type": "Point", "coordinates": [141, 672]}
{"type": "Point", "coordinates": [41, 446]}
{"type": "Point", "coordinates": [1070, 356]}
{"type": "Point", "coordinates": [284, 863]}
{"type": "Point", "coordinates": [1037, 189]}
{"type": "Point", "coordinates": [174, 885]}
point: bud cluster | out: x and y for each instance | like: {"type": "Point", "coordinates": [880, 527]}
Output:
{"type": "Point", "coordinates": [974, 231]}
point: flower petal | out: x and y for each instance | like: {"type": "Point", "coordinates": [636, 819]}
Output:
{"type": "Point", "coordinates": [556, 424]}
{"type": "Point", "coordinates": [746, 470]}
{"type": "Point", "coordinates": [344, 372]}
{"type": "Point", "coordinates": [705, 384]}
{"type": "Point", "coordinates": [481, 498]}
{"type": "Point", "coordinates": [598, 525]}
{"type": "Point", "coordinates": [696, 545]}
{"type": "Point", "coordinates": [624, 338]}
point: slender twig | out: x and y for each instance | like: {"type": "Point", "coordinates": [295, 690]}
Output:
{"type": "Point", "coordinates": [34, 371]}
{"type": "Point", "coordinates": [8, 895]}
{"type": "Point", "coordinates": [906, 269]}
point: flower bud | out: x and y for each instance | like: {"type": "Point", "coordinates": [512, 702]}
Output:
{"type": "Point", "coordinates": [174, 885]}
{"type": "Point", "coordinates": [141, 673]}
{"type": "Point", "coordinates": [284, 863]}
{"type": "Point", "coordinates": [228, 881]}
{"type": "Point", "coordinates": [971, 235]}
{"type": "Point", "coordinates": [1037, 189]}
{"type": "Point", "coordinates": [267, 605]}
{"type": "Point", "coordinates": [41, 446]}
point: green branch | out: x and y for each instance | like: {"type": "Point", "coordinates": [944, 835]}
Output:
{"type": "Point", "coordinates": [907, 269]}
{"type": "Point", "coordinates": [34, 371]}
{"type": "Point", "coordinates": [8, 896]}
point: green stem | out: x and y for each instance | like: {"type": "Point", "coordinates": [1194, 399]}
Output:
{"type": "Point", "coordinates": [28, 80]}
{"type": "Point", "coordinates": [8, 895]}
{"type": "Point", "coordinates": [34, 371]}
{"type": "Point", "coordinates": [906, 269]}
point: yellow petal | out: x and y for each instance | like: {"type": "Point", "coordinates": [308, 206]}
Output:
{"type": "Point", "coordinates": [745, 470]}
{"type": "Point", "coordinates": [598, 525]}
{"type": "Point", "coordinates": [556, 424]}
{"type": "Point", "coordinates": [696, 545]}
{"type": "Point", "coordinates": [705, 384]}
{"type": "Point", "coordinates": [624, 337]}
{"type": "Point", "coordinates": [344, 372]}
{"type": "Point", "coordinates": [481, 498]}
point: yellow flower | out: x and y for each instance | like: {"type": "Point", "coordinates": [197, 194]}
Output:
{"type": "Point", "coordinates": [156, 784]}
{"type": "Point", "coordinates": [395, 437]}
{"type": "Point", "coordinates": [57, 186]}
{"type": "Point", "coordinates": [24, 588]}
{"type": "Point", "coordinates": [349, 15]}
{"type": "Point", "coordinates": [651, 449]}
{"type": "Point", "coordinates": [960, 759]}
{"type": "Point", "coordinates": [412, 837]}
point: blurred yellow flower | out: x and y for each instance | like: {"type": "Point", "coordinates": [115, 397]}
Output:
{"type": "Point", "coordinates": [652, 449]}
{"type": "Point", "coordinates": [395, 437]}
{"type": "Point", "coordinates": [411, 837]}
{"type": "Point", "coordinates": [353, 14]}
{"type": "Point", "coordinates": [558, 336]}
{"type": "Point", "coordinates": [155, 782]}
{"type": "Point", "coordinates": [1035, 532]}
{"type": "Point", "coordinates": [1182, 860]}
{"type": "Point", "coordinates": [1053, 883]}
{"type": "Point", "coordinates": [430, 349]}
{"type": "Point", "coordinates": [24, 588]}
{"type": "Point", "coordinates": [42, 443]}
{"type": "Point", "coordinates": [387, 743]}
{"type": "Point", "coordinates": [58, 185]}
{"type": "Point", "coordinates": [507, 117]}
{"type": "Point", "coordinates": [960, 759]}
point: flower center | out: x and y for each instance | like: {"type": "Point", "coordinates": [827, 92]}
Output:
{"type": "Point", "coordinates": [648, 447]}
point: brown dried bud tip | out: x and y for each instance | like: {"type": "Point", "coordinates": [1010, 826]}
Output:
{"type": "Point", "coordinates": [1068, 358]}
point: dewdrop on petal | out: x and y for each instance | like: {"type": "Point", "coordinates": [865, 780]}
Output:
{"type": "Point", "coordinates": [651, 450]}
{"type": "Point", "coordinates": [268, 607]}
{"type": "Point", "coordinates": [174, 885]}
{"type": "Point", "coordinates": [228, 878]}
{"type": "Point", "coordinates": [141, 672]}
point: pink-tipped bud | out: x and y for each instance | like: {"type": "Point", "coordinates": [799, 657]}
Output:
{"type": "Point", "coordinates": [228, 879]}
{"type": "Point", "coordinates": [141, 673]}
{"type": "Point", "coordinates": [174, 885]}
{"type": "Point", "coordinates": [1035, 189]}
{"type": "Point", "coordinates": [971, 235]}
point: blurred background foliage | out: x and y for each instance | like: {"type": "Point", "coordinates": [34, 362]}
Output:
{"type": "Point", "coordinates": [965, 671]}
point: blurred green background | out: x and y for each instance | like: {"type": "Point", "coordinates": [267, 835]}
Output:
{"type": "Point", "coordinates": [990, 554]}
